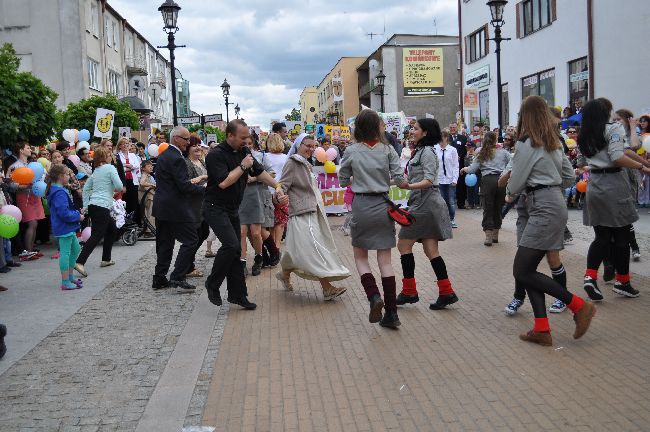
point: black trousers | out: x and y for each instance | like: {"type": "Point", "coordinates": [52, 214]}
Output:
{"type": "Point", "coordinates": [227, 266]}
{"type": "Point", "coordinates": [167, 232]}
{"type": "Point", "coordinates": [461, 191]}
{"type": "Point", "coordinates": [202, 233]}
{"type": "Point", "coordinates": [493, 199]}
{"type": "Point", "coordinates": [131, 200]}
{"type": "Point", "coordinates": [103, 227]}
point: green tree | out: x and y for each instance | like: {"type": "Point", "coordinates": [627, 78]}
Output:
{"type": "Point", "coordinates": [221, 135]}
{"type": "Point", "coordinates": [293, 116]}
{"type": "Point", "coordinates": [27, 111]}
{"type": "Point", "coordinates": [81, 115]}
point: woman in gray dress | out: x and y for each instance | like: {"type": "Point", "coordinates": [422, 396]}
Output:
{"type": "Point", "coordinates": [432, 223]}
{"type": "Point", "coordinates": [368, 165]}
{"type": "Point", "coordinates": [609, 203]}
{"type": "Point", "coordinates": [538, 167]}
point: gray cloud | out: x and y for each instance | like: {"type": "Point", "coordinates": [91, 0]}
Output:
{"type": "Point", "coordinates": [270, 52]}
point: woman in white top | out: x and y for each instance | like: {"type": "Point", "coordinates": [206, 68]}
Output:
{"type": "Point", "coordinates": [277, 159]}
{"type": "Point", "coordinates": [131, 165]}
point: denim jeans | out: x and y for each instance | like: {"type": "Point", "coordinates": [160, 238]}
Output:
{"type": "Point", "coordinates": [7, 250]}
{"type": "Point", "coordinates": [448, 193]}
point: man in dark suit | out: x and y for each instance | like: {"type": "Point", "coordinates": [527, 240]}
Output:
{"type": "Point", "coordinates": [172, 209]}
{"type": "Point", "coordinates": [458, 141]}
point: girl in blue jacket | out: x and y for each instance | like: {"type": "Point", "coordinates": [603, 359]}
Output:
{"type": "Point", "coordinates": [65, 224]}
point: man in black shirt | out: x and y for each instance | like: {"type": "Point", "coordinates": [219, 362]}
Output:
{"type": "Point", "coordinates": [229, 165]}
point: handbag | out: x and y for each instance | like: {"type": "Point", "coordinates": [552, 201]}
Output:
{"type": "Point", "coordinates": [398, 214]}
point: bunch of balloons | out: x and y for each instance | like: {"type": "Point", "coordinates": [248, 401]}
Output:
{"type": "Point", "coordinates": [73, 136]}
{"type": "Point", "coordinates": [155, 150]}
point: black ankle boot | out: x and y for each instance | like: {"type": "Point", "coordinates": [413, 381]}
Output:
{"type": "Point", "coordinates": [376, 306]}
{"type": "Point", "coordinates": [403, 299]}
{"type": "Point", "coordinates": [390, 320]}
{"type": "Point", "coordinates": [444, 301]}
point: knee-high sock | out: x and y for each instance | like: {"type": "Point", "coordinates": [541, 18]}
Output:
{"type": "Point", "coordinates": [408, 270]}
{"type": "Point", "coordinates": [369, 285]}
{"type": "Point", "coordinates": [559, 275]}
{"type": "Point", "coordinates": [440, 269]}
{"type": "Point", "coordinates": [390, 294]}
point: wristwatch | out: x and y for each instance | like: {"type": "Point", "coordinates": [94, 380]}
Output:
{"type": "Point", "coordinates": [243, 168]}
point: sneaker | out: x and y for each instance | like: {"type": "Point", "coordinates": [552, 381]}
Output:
{"type": "Point", "coordinates": [608, 273]}
{"type": "Point", "coordinates": [27, 256]}
{"type": "Point", "coordinates": [444, 301]}
{"type": "Point", "coordinates": [69, 286]}
{"type": "Point", "coordinates": [453, 224]}
{"type": "Point", "coordinates": [81, 270]}
{"type": "Point", "coordinates": [591, 287]}
{"type": "Point", "coordinates": [558, 306]}
{"type": "Point", "coordinates": [106, 263]}
{"type": "Point", "coordinates": [513, 306]}
{"type": "Point", "coordinates": [331, 295]}
{"type": "Point", "coordinates": [583, 319]}
{"type": "Point", "coordinates": [257, 265]}
{"type": "Point", "coordinates": [540, 338]}
{"type": "Point", "coordinates": [568, 239]}
{"type": "Point", "coordinates": [376, 306]}
{"type": "Point", "coordinates": [636, 255]}
{"type": "Point", "coordinates": [390, 320]}
{"type": "Point", "coordinates": [625, 289]}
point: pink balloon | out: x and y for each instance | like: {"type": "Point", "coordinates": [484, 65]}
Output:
{"type": "Point", "coordinates": [85, 234]}
{"type": "Point", "coordinates": [75, 160]}
{"type": "Point", "coordinates": [12, 211]}
{"type": "Point", "coordinates": [321, 155]}
{"type": "Point", "coordinates": [331, 154]}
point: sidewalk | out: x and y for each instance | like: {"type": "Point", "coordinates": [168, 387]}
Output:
{"type": "Point", "coordinates": [300, 364]}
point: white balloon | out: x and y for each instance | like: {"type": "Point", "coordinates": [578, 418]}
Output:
{"type": "Point", "coordinates": [83, 144]}
{"type": "Point", "coordinates": [68, 135]}
{"type": "Point", "coordinates": [153, 150]}
{"type": "Point", "coordinates": [646, 143]}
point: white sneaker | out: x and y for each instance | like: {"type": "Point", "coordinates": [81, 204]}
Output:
{"type": "Point", "coordinates": [636, 255]}
{"type": "Point", "coordinates": [557, 307]}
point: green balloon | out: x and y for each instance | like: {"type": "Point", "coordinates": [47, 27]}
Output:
{"type": "Point", "coordinates": [8, 226]}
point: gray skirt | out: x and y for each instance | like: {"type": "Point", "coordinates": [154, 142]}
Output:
{"type": "Point", "coordinates": [251, 209]}
{"type": "Point", "coordinates": [547, 218]}
{"type": "Point", "coordinates": [269, 209]}
{"type": "Point", "coordinates": [431, 216]}
{"type": "Point", "coordinates": [609, 201]}
{"type": "Point", "coordinates": [371, 228]}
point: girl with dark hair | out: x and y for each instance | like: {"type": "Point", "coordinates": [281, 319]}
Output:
{"type": "Point", "coordinates": [373, 164]}
{"type": "Point", "coordinates": [539, 167]}
{"type": "Point", "coordinates": [609, 204]}
{"type": "Point", "coordinates": [492, 161]}
{"type": "Point", "coordinates": [432, 222]}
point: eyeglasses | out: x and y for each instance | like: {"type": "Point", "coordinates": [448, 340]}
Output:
{"type": "Point", "coordinates": [571, 131]}
{"type": "Point", "coordinates": [186, 139]}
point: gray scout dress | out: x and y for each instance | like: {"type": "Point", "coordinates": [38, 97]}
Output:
{"type": "Point", "coordinates": [430, 210]}
{"type": "Point", "coordinates": [609, 201]}
{"type": "Point", "coordinates": [252, 208]}
{"type": "Point", "coordinates": [370, 170]}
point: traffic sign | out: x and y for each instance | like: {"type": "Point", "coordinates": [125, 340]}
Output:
{"type": "Point", "coordinates": [189, 120]}
{"type": "Point", "coordinates": [213, 117]}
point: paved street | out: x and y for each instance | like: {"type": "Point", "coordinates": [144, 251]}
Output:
{"type": "Point", "coordinates": [126, 358]}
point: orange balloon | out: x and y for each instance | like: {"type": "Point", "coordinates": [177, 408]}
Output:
{"type": "Point", "coordinates": [23, 176]}
{"type": "Point", "coordinates": [91, 153]}
{"type": "Point", "coordinates": [162, 147]}
{"type": "Point", "coordinates": [581, 186]}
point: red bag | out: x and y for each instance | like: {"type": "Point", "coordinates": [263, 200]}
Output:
{"type": "Point", "coordinates": [398, 214]}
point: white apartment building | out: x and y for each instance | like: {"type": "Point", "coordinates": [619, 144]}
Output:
{"type": "Point", "coordinates": [562, 50]}
{"type": "Point", "coordinates": [81, 48]}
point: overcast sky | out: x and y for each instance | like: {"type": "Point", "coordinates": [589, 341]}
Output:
{"type": "Point", "coordinates": [269, 51]}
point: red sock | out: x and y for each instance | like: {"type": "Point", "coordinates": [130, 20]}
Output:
{"type": "Point", "coordinates": [576, 303]}
{"type": "Point", "coordinates": [541, 325]}
{"type": "Point", "coordinates": [444, 287]}
{"type": "Point", "coordinates": [623, 278]}
{"type": "Point", "coordinates": [409, 287]}
{"type": "Point", "coordinates": [592, 273]}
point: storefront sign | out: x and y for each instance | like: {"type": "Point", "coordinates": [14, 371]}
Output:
{"type": "Point", "coordinates": [422, 71]}
{"type": "Point", "coordinates": [478, 78]}
{"type": "Point", "coordinates": [580, 76]}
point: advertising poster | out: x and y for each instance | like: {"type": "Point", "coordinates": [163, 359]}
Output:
{"type": "Point", "coordinates": [422, 69]}
{"type": "Point", "coordinates": [470, 99]}
{"type": "Point", "coordinates": [337, 89]}
{"type": "Point", "coordinates": [320, 131]}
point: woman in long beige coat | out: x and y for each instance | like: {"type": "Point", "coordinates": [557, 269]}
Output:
{"type": "Point", "coordinates": [310, 251]}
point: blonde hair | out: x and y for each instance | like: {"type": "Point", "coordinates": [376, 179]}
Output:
{"type": "Point", "coordinates": [537, 123]}
{"type": "Point", "coordinates": [274, 143]}
{"type": "Point", "coordinates": [123, 140]}
{"type": "Point", "coordinates": [102, 156]}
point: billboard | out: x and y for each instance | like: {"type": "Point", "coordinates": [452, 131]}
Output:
{"type": "Point", "coordinates": [422, 72]}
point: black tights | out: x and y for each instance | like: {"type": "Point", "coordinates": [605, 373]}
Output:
{"type": "Point", "coordinates": [535, 283]}
{"type": "Point", "coordinates": [612, 243]}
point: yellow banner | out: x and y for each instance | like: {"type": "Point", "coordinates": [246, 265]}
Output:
{"type": "Point", "coordinates": [422, 69]}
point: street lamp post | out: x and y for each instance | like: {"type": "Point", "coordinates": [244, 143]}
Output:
{"type": "Point", "coordinates": [169, 11]}
{"type": "Point", "coordinates": [237, 111]}
{"type": "Point", "coordinates": [496, 9]}
{"type": "Point", "coordinates": [380, 85]}
{"type": "Point", "coordinates": [225, 87]}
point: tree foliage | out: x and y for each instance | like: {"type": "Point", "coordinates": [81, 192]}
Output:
{"type": "Point", "coordinates": [27, 111]}
{"type": "Point", "coordinates": [294, 115]}
{"type": "Point", "coordinates": [81, 115]}
{"type": "Point", "coordinates": [221, 135]}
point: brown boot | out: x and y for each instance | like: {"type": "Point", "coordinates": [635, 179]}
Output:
{"type": "Point", "coordinates": [541, 338]}
{"type": "Point", "coordinates": [488, 238]}
{"type": "Point", "coordinates": [495, 236]}
{"type": "Point", "coordinates": [583, 318]}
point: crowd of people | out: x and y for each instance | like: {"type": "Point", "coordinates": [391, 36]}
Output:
{"type": "Point", "coordinates": [243, 191]}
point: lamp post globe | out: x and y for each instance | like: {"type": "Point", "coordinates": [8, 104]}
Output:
{"type": "Point", "coordinates": [169, 11]}
{"type": "Point", "coordinates": [496, 9]}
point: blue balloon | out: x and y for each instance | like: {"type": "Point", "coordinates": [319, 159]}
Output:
{"type": "Point", "coordinates": [471, 180]}
{"type": "Point", "coordinates": [84, 135]}
{"type": "Point", "coordinates": [38, 188]}
{"type": "Point", "coordinates": [38, 170]}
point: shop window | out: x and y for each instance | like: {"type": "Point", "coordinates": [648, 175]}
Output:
{"type": "Point", "coordinates": [578, 80]}
{"type": "Point", "coordinates": [540, 84]}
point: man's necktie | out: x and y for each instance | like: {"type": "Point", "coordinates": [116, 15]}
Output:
{"type": "Point", "coordinates": [444, 167]}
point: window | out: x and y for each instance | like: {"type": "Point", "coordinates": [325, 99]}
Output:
{"type": "Point", "coordinates": [94, 75]}
{"type": "Point", "coordinates": [476, 45]}
{"type": "Point", "coordinates": [578, 80]}
{"type": "Point", "coordinates": [108, 31]}
{"type": "Point", "coordinates": [114, 83]}
{"type": "Point", "coordinates": [94, 19]}
{"type": "Point", "coordinates": [116, 36]}
{"type": "Point", "coordinates": [533, 15]}
{"type": "Point", "coordinates": [540, 84]}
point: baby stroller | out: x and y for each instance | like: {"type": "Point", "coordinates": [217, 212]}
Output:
{"type": "Point", "coordinates": [127, 228]}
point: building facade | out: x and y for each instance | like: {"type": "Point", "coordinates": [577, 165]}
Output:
{"type": "Point", "coordinates": [560, 50]}
{"type": "Point", "coordinates": [337, 93]}
{"type": "Point", "coordinates": [422, 76]}
{"type": "Point", "coordinates": [82, 48]}
{"type": "Point", "coordinates": [308, 105]}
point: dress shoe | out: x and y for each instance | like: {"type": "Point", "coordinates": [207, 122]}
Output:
{"type": "Point", "coordinates": [444, 301]}
{"type": "Point", "coordinates": [257, 265]}
{"type": "Point", "coordinates": [583, 319]}
{"type": "Point", "coordinates": [214, 297]}
{"type": "Point", "coordinates": [376, 306]}
{"type": "Point", "coordinates": [403, 299]}
{"type": "Point", "coordinates": [182, 285]}
{"type": "Point", "coordinates": [107, 263]}
{"type": "Point", "coordinates": [80, 269]}
{"type": "Point", "coordinates": [243, 302]}
{"type": "Point", "coordinates": [2, 288]}
{"type": "Point", "coordinates": [390, 320]}
{"type": "Point", "coordinates": [159, 283]}
{"type": "Point", "coordinates": [14, 264]}
{"type": "Point", "coordinates": [541, 338]}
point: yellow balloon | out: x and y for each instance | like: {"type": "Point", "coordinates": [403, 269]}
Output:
{"type": "Point", "coordinates": [641, 151]}
{"type": "Point", "coordinates": [330, 167]}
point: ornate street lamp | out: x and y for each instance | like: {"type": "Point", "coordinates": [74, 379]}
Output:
{"type": "Point", "coordinates": [169, 11]}
{"type": "Point", "coordinates": [496, 9]}
{"type": "Point", "coordinates": [225, 88]}
{"type": "Point", "coordinates": [237, 111]}
{"type": "Point", "coordinates": [380, 85]}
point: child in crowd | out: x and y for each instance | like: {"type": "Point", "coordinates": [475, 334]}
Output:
{"type": "Point", "coordinates": [147, 183]}
{"type": "Point", "coordinates": [65, 224]}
